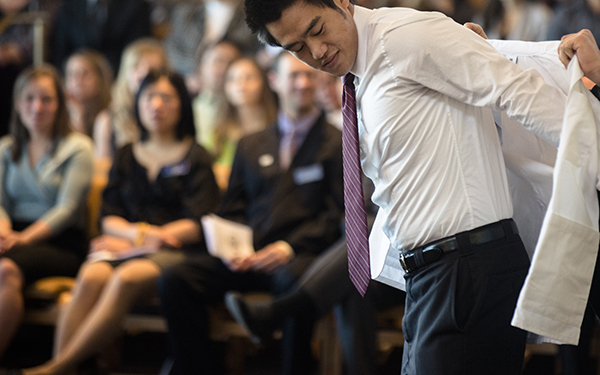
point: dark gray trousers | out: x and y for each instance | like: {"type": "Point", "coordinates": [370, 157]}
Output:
{"type": "Point", "coordinates": [458, 312]}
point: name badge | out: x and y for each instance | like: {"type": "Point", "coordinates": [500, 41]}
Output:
{"type": "Point", "coordinates": [180, 169]}
{"type": "Point", "coordinates": [266, 160]}
{"type": "Point", "coordinates": [308, 174]}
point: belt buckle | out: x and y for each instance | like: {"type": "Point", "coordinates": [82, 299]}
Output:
{"type": "Point", "coordinates": [403, 262]}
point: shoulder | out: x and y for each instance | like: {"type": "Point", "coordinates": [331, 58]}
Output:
{"type": "Point", "coordinates": [124, 153]}
{"type": "Point", "coordinates": [332, 140]}
{"type": "Point", "coordinates": [76, 142]}
{"type": "Point", "coordinates": [259, 140]}
{"type": "Point", "coordinates": [5, 146]}
{"type": "Point", "coordinates": [327, 130]}
{"type": "Point", "coordinates": [403, 27]}
{"type": "Point", "coordinates": [199, 155]}
{"type": "Point", "coordinates": [6, 142]}
{"type": "Point", "coordinates": [330, 129]}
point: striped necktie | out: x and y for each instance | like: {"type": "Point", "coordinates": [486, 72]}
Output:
{"type": "Point", "coordinates": [356, 217]}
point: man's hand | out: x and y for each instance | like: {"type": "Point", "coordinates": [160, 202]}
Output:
{"type": "Point", "coordinates": [476, 29]}
{"type": "Point", "coordinates": [267, 259]}
{"type": "Point", "coordinates": [584, 44]}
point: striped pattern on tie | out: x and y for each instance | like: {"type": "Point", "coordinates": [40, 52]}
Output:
{"type": "Point", "coordinates": [356, 216]}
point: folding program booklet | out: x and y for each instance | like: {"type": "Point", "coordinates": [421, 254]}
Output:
{"type": "Point", "coordinates": [227, 239]}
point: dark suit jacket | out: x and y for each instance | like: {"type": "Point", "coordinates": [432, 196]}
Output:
{"type": "Point", "coordinates": [126, 21]}
{"type": "Point", "coordinates": [303, 205]}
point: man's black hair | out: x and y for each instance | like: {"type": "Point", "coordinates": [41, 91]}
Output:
{"type": "Point", "coordinates": [259, 13]}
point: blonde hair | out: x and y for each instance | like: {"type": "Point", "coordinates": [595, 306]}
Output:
{"type": "Point", "coordinates": [122, 116]}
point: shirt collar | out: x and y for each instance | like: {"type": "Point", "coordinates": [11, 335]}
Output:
{"type": "Point", "coordinates": [361, 19]}
{"type": "Point", "coordinates": [302, 125]}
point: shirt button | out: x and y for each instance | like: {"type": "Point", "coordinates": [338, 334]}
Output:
{"type": "Point", "coordinates": [377, 180]}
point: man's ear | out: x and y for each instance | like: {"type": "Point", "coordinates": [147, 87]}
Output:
{"type": "Point", "coordinates": [343, 4]}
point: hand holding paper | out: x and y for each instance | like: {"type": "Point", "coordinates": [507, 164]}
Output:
{"type": "Point", "coordinates": [227, 240]}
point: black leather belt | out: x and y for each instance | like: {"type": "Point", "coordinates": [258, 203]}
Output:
{"type": "Point", "coordinates": [426, 254]}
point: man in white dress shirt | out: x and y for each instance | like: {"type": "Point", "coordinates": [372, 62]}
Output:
{"type": "Point", "coordinates": [425, 86]}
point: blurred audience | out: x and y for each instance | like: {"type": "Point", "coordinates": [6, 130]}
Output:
{"type": "Point", "coordinates": [294, 211]}
{"type": "Point", "coordinates": [196, 25]}
{"type": "Point", "coordinates": [118, 127]}
{"type": "Point", "coordinates": [88, 80]}
{"type": "Point", "coordinates": [571, 16]}
{"type": "Point", "coordinates": [45, 173]}
{"type": "Point", "coordinates": [527, 20]}
{"type": "Point", "coordinates": [325, 286]}
{"type": "Point", "coordinates": [107, 26]}
{"type": "Point", "coordinates": [249, 107]}
{"type": "Point", "coordinates": [159, 188]}
{"type": "Point", "coordinates": [16, 48]}
{"type": "Point", "coordinates": [329, 97]}
{"type": "Point", "coordinates": [211, 76]}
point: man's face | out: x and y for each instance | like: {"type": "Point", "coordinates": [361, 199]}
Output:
{"type": "Point", "coordinates": [323, 38]}
{"type": "Point", "coordinates": [295, 84]}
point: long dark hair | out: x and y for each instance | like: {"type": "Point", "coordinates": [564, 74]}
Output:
{"type": "Point", "coordinates": [101, 67]}
{"type": "Point", "coordinates": [185, 126]}
{"type": "Point", "coordinates": [228, 116]}
{"type": "Point", "coordinates": [61, 126]}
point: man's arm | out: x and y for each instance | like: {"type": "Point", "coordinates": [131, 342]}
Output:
{"type": "Point", "coordinates": [457, 63]}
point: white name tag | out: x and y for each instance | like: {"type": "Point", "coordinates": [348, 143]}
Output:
{"type": "Point", "coordinates": [308, 174]}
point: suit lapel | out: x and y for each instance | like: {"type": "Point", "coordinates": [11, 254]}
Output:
{"type": "Point", "coordinates": [306, 155]}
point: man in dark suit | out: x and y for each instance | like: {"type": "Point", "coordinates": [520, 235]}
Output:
{"type": "Point", "coordinates": [107, 26]}
{"type": "Point", "coordinates": [286, 184]}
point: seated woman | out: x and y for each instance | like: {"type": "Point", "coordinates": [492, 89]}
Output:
{"type": "Point", "coordinates": [45, 173]}
{"type": "Point", "coordinates": [88, 78]}
{"type": "Point", "coordinates": [159, 187]}
{"type": "Point", "coordinates": [249, 106]}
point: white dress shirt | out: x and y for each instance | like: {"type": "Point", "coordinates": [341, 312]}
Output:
{"type": "Point", "coordinates": [427, 139]}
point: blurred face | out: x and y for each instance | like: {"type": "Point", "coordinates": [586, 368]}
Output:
{"type": "Point", "coordinates": [322, 37]}
{"type": "Point", "coordinates": [81, 80]}
{"type": "Point", "coordinates": [295, 84]}
{"type": "Point", "coordinates": [160, 107]}
{"type": "Point", "coordinates": [329, 92]}
{"type": "Point", "coordinates": [215, 64]}
{"type": "Point", "coordinates": [148, 61]}
{"type": "Point", "coordinates": [244, 84]}
{"type": "Point", "coordinates": [37, 106]}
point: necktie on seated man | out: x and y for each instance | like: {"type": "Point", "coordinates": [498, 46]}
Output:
{"type": "Point", "coordinates": [356, 216]}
